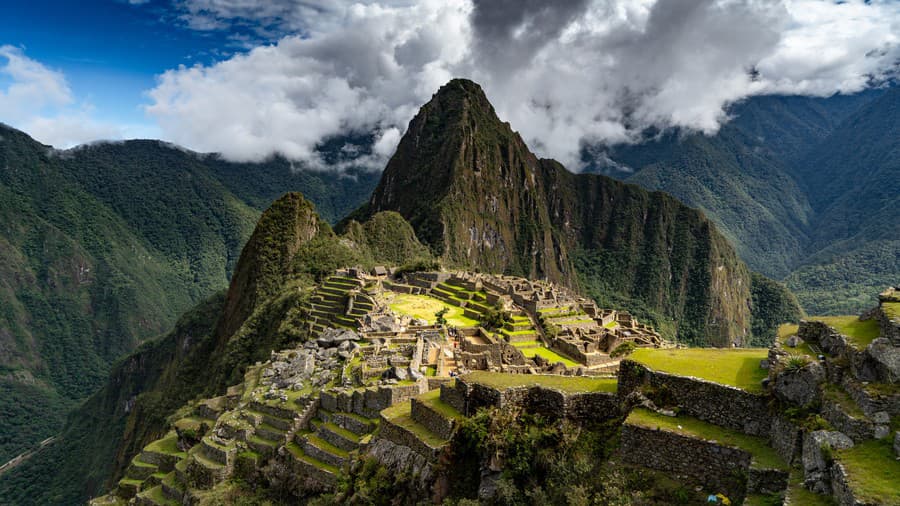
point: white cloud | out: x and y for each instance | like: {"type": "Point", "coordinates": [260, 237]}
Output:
{"type": "Point", "coordinates": [564, 73]}
{"type": "Point", "coordinates": [39, 101]}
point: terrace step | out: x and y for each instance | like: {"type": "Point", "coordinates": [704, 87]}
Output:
{"type": "Point", "coordinates": [322, 450]}
{"type": "Point", "coordinates": [216, 452]}
{"type": "Point", "coordinates": [154, 497]}
{"type": "Point", "coordinates": [172, 489]}
{"type": "Point", "coordinates": [204, 472]}
{"type": "Point", "coordinates": [128, 488]}
{"type": "Point", "coordinates": [356, 424]}
{"type": "Point", "coordinates": [140, 470]}
{"type": "Point", "coordinates": [338, 436]}
{"type": "Point", "coordinates": [311, 465]}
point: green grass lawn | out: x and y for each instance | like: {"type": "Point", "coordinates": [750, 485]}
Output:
{"type": "Point", "coordinates": [872, 471]}
{"type": "Point", "coordinates": [548, 354]}
{"type": "Point", "coordinates": [786, 330]}
{"type": "Point", "coordinates": [735, 367]}
{"type": "Point", "coordinates": [762, 455]}
{"type": "Point", "coordinates": [424, 307]}
{"type": "Point", "coordinates": [573, 384]}
{"type": "Point", "coordinates": [859, 333]}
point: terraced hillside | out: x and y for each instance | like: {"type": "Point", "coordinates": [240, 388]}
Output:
{"type": "Point", "coordinates": [337, 302]}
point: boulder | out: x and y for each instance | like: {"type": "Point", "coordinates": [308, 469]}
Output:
{"type": "Point", "coordinates": [415, 375]}
{"type": "Point", "coordinates": [793, 341]}
{"type": "Point", "coordinates": [881, 362]}
{"type": "Point", "coordinates": [800, 387]}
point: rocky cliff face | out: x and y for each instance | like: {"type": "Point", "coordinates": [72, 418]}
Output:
{"type": "Point", "coordinates": [475, 193]}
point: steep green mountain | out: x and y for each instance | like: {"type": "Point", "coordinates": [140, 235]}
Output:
{"type": "Point", "coordinates": [209, 349]}
{"type": "Point", "coordinates": [852, 178]}
{"type": "Point", "coordinates": [787, 181]}
{"type": "Point", "coordinates": [103, 246]}
{"type": "Point", "coordinates": [480, 199]}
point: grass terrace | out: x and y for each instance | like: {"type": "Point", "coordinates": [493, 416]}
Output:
{"type": "Point", "coordinates": [424, 307]}
{"type": "Point", "coordinates": [859, 333]}
{"type": "Point", "coordinates": [167, 445]}
{"type": "Point", "coordinates": [872, 471]}
{"type": "Point", "coordinates": [432, 399]}
{"type": "Point", "coordinates": [762, 455]}
{"type": "Point", "coordinates": [571, 384]}
{"type": "Point", "coordinates": [534, 348]}
{"type": "Point", "coordinates": [734, 367]}
{"type": "Point", "coordinates": [786, 330]}
{"type": "Point", "coordinates": [401, 414]}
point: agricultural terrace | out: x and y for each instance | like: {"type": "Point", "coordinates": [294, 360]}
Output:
{"type": "Point", "coordinates": [735, 367]}
{"type": "Point", "coordinates": [859, 332]}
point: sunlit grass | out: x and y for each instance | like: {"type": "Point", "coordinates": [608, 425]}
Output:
{"type": "Point", "coordinates": [735, 367]}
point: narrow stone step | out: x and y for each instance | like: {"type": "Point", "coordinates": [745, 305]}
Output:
{"type": "Point", "coordinates": [320, 449]}
{"type": "Point", "coordinates": [338, 436]}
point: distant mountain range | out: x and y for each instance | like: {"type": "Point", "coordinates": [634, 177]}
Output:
{"type": "Point", "coordinates": [807, 189]}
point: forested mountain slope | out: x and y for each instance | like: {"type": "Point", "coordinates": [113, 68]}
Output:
{"type": "Point", "coordinates": [787, 181]}
{"type": "Point", "coordinates": [104, 246]}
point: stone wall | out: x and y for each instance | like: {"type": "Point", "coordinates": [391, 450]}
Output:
{"type": "Point", "coordinates": [786, 439]}
{"type": "Point", "coordinates": [869, 403]}
{"type": "Point", "coordinates": [858, 429]}
{"type": "Point", "coordinates": [432, 420]}
{"type": "Point", "coordinates": [404, 437]}
{"type": "Point", "coordinates": [890, 328]}
{"type": "Point", "coordinates": [721, 405]}
{"type": "Point", "coordinates": [586, 407]}
{"type": "Point", "coordinates": [718, 467]}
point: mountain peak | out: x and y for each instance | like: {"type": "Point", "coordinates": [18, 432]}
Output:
{"type": "Point", "coordinates": [475, 194]}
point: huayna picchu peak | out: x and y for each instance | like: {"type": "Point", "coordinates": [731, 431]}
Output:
{"type": "Point", "coordinates": [489, 328]}
{"type": "Point", "coordinates": [475, 194]}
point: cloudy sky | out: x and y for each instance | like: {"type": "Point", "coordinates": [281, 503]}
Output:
{"type": "Point", "coordinates": [250, 78]}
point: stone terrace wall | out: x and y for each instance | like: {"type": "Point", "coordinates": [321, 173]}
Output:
{"type": "Point", "coordinates": [586, 407]}
{"type": "Point", "coordinates": [714, 403]}
{"type": "Point", "coordinates": [432, 420]}
{"type": "Point", "coordinates": [720, 467]}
